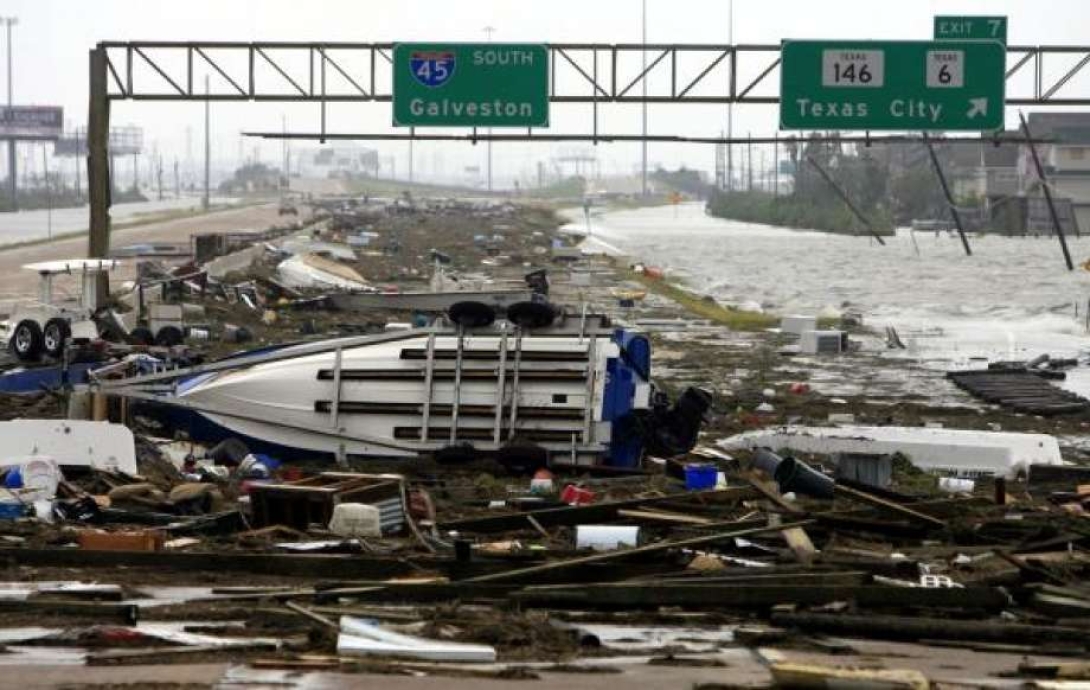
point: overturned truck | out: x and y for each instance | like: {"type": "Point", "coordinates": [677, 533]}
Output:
{"type": "Point", "coordinates": [535, 388]}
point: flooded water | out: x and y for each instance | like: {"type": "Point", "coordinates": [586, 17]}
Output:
{"type": "Point", "coordinates": [1013, 298]}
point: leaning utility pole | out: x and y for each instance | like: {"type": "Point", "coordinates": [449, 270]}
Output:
{"type": "Point", "coordinates": [207, 148]}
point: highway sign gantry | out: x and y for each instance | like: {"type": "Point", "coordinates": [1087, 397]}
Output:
{"type": "Point", "coordinates": [965, 28]}
{"type": "Point", "coordinates": [471, 85]}
{"type": "Point", "coordinates": [892, 85]}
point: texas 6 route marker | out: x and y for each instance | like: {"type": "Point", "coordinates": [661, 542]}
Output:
{"type": "Point", "coordinates": [892, 85]}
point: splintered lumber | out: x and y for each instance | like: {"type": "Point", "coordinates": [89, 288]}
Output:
{"type": "Point", "coordinates": [806, 676]}
{"type": "Point", "coordinates": [799, 542]}
{"type": "Point", "coordinates": [316, 617]}
{"type": "Point", "coordinates": [153, 655]}
{"type": "Point", "coordinates": [772, 493]}
{"type": "Point", "coordinates": [591, 514]}
{"type": "Point", "coordinates": [660, 516]}
{"type": "Point", "coordinates": [920, 628]}
{"type": "Point", "coordinates": [418, 592]}
{"type": "Point", "coordinates": [639, 550]}
{"type": "Point", "coordinates": [889, 506]}
{"type": "Point", "coordinates": [755, 596]}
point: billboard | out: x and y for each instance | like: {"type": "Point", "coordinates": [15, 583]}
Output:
{"type": "Point", "coordinates": [31, 122]}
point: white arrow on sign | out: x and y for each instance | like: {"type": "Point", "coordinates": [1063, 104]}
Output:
{"type": "Point", "coordinates": [977, 106]}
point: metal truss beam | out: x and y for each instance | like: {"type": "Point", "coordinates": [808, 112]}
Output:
{"type": "Point", "coordinates": [474, 138]}
{"type": "Point", "coordinates": [581, 72]}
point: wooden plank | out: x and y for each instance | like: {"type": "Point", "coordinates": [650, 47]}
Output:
{"type": "Point", "coordinates": [750, 596]}
{"type": "Point", "coordinates": [914, 628]}
{"type": "Point", "coordinates": [128, 613]}
{"type": "Point", "coordinates": [889, 506]}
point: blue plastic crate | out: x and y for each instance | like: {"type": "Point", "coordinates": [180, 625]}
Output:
{"type": "Point", "coordinates": [700, 477]}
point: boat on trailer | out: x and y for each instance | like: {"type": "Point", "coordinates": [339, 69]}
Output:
{"type": "Point", "coordinates": [578, 389]}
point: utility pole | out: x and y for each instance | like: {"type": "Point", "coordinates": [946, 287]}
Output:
{"type": "Point", "coordinates": [730, 105]}
{"type": "Point", "coordinates": [283, 156]}
{"type": "Point", "coordinates": [643, 144]}
{"type": "Point", "coordinates": [12, 179]}
{"type": "Point", "coordinates": [48, 194]}
{"type": "Point", "coordinates": [749, 162]}
{"type": "Point", "coordinates": [488, 30]}
{"type": "Point", "coordinates": [776, 162]}
{"type": "Point", "coordinates": [159, 173]}
{"type": "Point", "coordinates": [79, 159]}
{"type": "Point", "coordinates": [207, 148]}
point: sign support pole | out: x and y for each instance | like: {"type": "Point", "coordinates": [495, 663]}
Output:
{"type": "Point", "coordinates": [946, 193]}
{"type": "Point", "coordinates": [98, 168]}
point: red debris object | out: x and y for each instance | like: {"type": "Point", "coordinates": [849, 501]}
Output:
{"type": "Point", "coordinates": [576, 495]}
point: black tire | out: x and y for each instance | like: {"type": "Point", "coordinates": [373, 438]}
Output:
{"type": "Point", "coordinates": [458, 454]}
{"type": "Point", "coordinates": [55, 334]}
{"type": "Point", "coordinates": [522, 458]}
{"type": "Point", "coordinates": [141, 336]}
{"type": "Point", "coordinates": [26, 341]}
{"type": "Point", "coordinates": [531, 314]}
{"type": "Point", "coordinates": [169, 336]}
{"type": "Point", "coordinates": [471, 314]}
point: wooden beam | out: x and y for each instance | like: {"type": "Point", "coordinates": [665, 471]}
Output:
{"type": "Point", "coordinates": [888, 506]}
{"type": "Point", "coordinates": [638, 551]}
{"type": "Point", "coordinates": [749, 596]}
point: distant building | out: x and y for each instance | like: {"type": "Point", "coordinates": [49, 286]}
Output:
{"type": "Point", "coordinates": [1066, 161]}
{"type": "Point", "coordinates": [338, 161]}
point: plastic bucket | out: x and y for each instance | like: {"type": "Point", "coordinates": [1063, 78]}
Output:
{"type": "Point", "coordinates": [700, 477]}
{"type": "Point", "coordinates": [795, 476]}
{"type": "Point", "coordinates": [767, 461]}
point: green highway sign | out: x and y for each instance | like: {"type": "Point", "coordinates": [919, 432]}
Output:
{"type": "Point", "coordinates": [892, 85]}
{"type": "Point", "coordinates": [971, 28]}
{"type": "Point", "coordinates": [471, 85]}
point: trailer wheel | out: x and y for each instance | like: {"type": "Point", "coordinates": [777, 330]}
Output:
{"type": "Point", "coordinates": [169, 336]}
{"type": "Point", "coordinates": [471, 314]}
{"type": "Point", "coordinates": [531, 315]}
{"type": "Point", "coordinates": [26, 341]}
{"type": "Point", "coordinates": [141, 336]}
{"type": "Point", "coordinates": [54, 335]}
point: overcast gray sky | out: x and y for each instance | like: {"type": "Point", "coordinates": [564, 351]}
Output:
{"type": "Point", "coordinates": [53, 36]}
